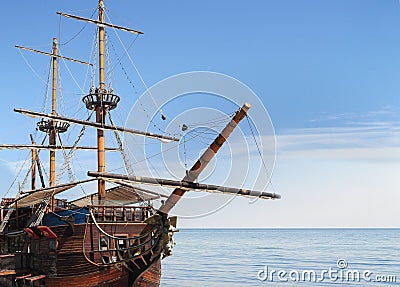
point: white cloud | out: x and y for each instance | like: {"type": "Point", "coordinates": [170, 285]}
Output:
{"type": "Point", "coordinates": [369, 141]}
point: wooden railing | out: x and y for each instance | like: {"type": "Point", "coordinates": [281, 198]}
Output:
{"type": "Point", "coordinates": [122, 213]}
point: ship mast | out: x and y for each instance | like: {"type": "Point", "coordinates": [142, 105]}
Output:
{"type": "Point", "coordinates": [51, 126]}
{"type": "Point", "coordinates": [33, 167]}
{"type": "Point", "coordinates": [53, 133]}
{"type": "Point", "coordinates": [100, 109]}
{"type": "Point", "coordinates": [100, 99]}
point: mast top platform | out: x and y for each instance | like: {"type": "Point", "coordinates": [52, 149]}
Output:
{"type": "Point", "coordinates": [101, 98]}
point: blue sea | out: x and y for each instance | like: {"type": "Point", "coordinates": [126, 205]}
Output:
{"type": "Point", "coordinates": [247, 257]}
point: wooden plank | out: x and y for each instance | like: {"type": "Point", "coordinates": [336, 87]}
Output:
{"type": "Point", "coordinates": [23, 276]}
{"type": "Point", "coordinates": [7, 272]}
{"type": "Point", "coordinates": [35, 278]}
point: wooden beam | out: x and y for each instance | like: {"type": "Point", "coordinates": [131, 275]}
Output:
{"type": "Point", "coordinates": [51, 55]}
{"type": "Point", "coordinates": [186, 185]}
{"type": "Point", "coordinates": [95, 125]}
{"type": "Point", "coordinates": [52, 147]}
{"type": "Point", "coordinates": [100, 24]}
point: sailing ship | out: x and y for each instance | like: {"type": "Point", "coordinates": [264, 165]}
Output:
{"type": "Point", "coordinates": [91, 241]}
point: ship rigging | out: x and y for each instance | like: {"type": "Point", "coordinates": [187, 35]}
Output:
{"type": "Point", "coordinates": [111, 236]}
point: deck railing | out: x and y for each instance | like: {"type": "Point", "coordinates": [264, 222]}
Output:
{"type": "Point", "coordinates": [122, 213]}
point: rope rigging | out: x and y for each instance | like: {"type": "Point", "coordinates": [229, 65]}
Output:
{"type": "Point", "coordinates": [30, 67]}
{"type": "Point", "coordinates": [125, 158]}
{"type": "Point", "coordinates": [176, 145]}
{"type": "Point", "coordinates": [136, 69]}
{"type": "Point", "coordinates": [60, 89]}
{"type": "Point", "coordinates": [108, 62]}
{"type": "Point", "coordinates": [72, 76]}
{"type": "Point", "coordinates": [259, 151]}
{"type": "Point", "coordinates": [71, 174]}
{"type": "Point", "coordinates": [36, 159]}
{"type": "Point", "coordinates": [46, 94]}
{"type": "Point", "coordinates": [119, 62]}
{"type": "Point", "coordinates": [71, 152]}
{"type": "Point", "coordinates": [77, 34]}
{"type": "Point", "coordinates": [67, 161]}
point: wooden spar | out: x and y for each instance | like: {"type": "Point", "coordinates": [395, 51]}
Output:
{"type": "Point", "coordinates": [70, 184]}
{"type": "Point", "coordinates": [53, 133]}
{"type": "Point", "coordinates": [100, 111]}
{"type": "Point", "coordinates": [52, 147]}
{"type": "Point", "coordinates": [100, 23]}
{"type": "Point", "coordinates": [96, 125]}
{"type": "Point", "coordinates": [206, 157]}
{"type": "Point", "coordinates": [51, 55]}
{"type": "Point", "coordinates": [54, 189]}
{"type": "Point", "coordinates": [33, 167]}
{"type": "Point", "coordinates": [186, 185]}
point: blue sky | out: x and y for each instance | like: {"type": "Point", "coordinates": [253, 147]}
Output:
{"type": "Point", "coordinates": [327, 71]}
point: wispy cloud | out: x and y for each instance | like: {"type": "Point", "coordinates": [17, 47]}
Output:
{"type": "Point", "coordinates": [369, 140]}
{"type": "Point", "coordinates": [386, 112]}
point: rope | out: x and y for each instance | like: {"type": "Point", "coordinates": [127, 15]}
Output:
{"type": "Point", "coordinates": [127, 163]}
{"type": "Point", "coordinates": [259, 150]}
{"type": "Point", "coordinates": [130, 81]}
{"type": "Point", "coordinates": [96, 42]}
{"type": "Point", "coordinates": [72, 76]}
{"type": "Point", "coordinates": [108, 62]}
{"type": "Point", "coordinates": [116, 237]}
{"type": "Point", "coordinates": [60, 90]}
{"type": "Point", "coordinates": [36, 219]}
{"type": "Point", "coordinates": [71, 152]}
{"type": "Point", "coordinates": [154, 240]}
{"type": "Point", "coordinates": [77, 34]}
{"type": "Point", "coordinates": [16, 177]}
{"type": "Point", "coordinates": [133, 64]}
{"type": "Point", "coordinates": [9, 213]}
{"type": "Point", "coordinates": [172, 147]}
{"type": "Point", "coordinates": [40, 164]}
{"type": "Point", "coordinates": [71, 174]}
{"type": "Point", "coordinates": [185, 157]}
{"type": "Point", "coordinates": [30, 66]}
{"type": "Point", "coordinates": [140, 76]}
{"type": "Point", "coordinates": [66, 159]}
{"type": "Point", "coordinates": [46, 93]}
{"type": "Point", "coordinates": [119, 59]}
{"type": "Point", "coordinates": [37, 158]}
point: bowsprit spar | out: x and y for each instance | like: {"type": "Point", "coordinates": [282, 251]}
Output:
{"type": "Point", "coordinates": [113, 236]}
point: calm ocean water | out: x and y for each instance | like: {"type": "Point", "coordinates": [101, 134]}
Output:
{"type": "Point", "coordinates": [234, 257]}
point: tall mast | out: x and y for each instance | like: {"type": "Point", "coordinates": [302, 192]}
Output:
{"type": "Point", "coordinates": [53, 133]}
{"type": "Point", "coordinates": [33, 167]}
{"type": "Point", "coordinates": [52, 126]}
{"type": "Point", "coordinates": [100, 110]}
{"type": "Point", "coordinates": [100, 99]}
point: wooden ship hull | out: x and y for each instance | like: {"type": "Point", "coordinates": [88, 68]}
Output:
{"type": "Point", "coordinates": [94, 243]}
{"type": "Point", "coordinates": [113, 248]}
